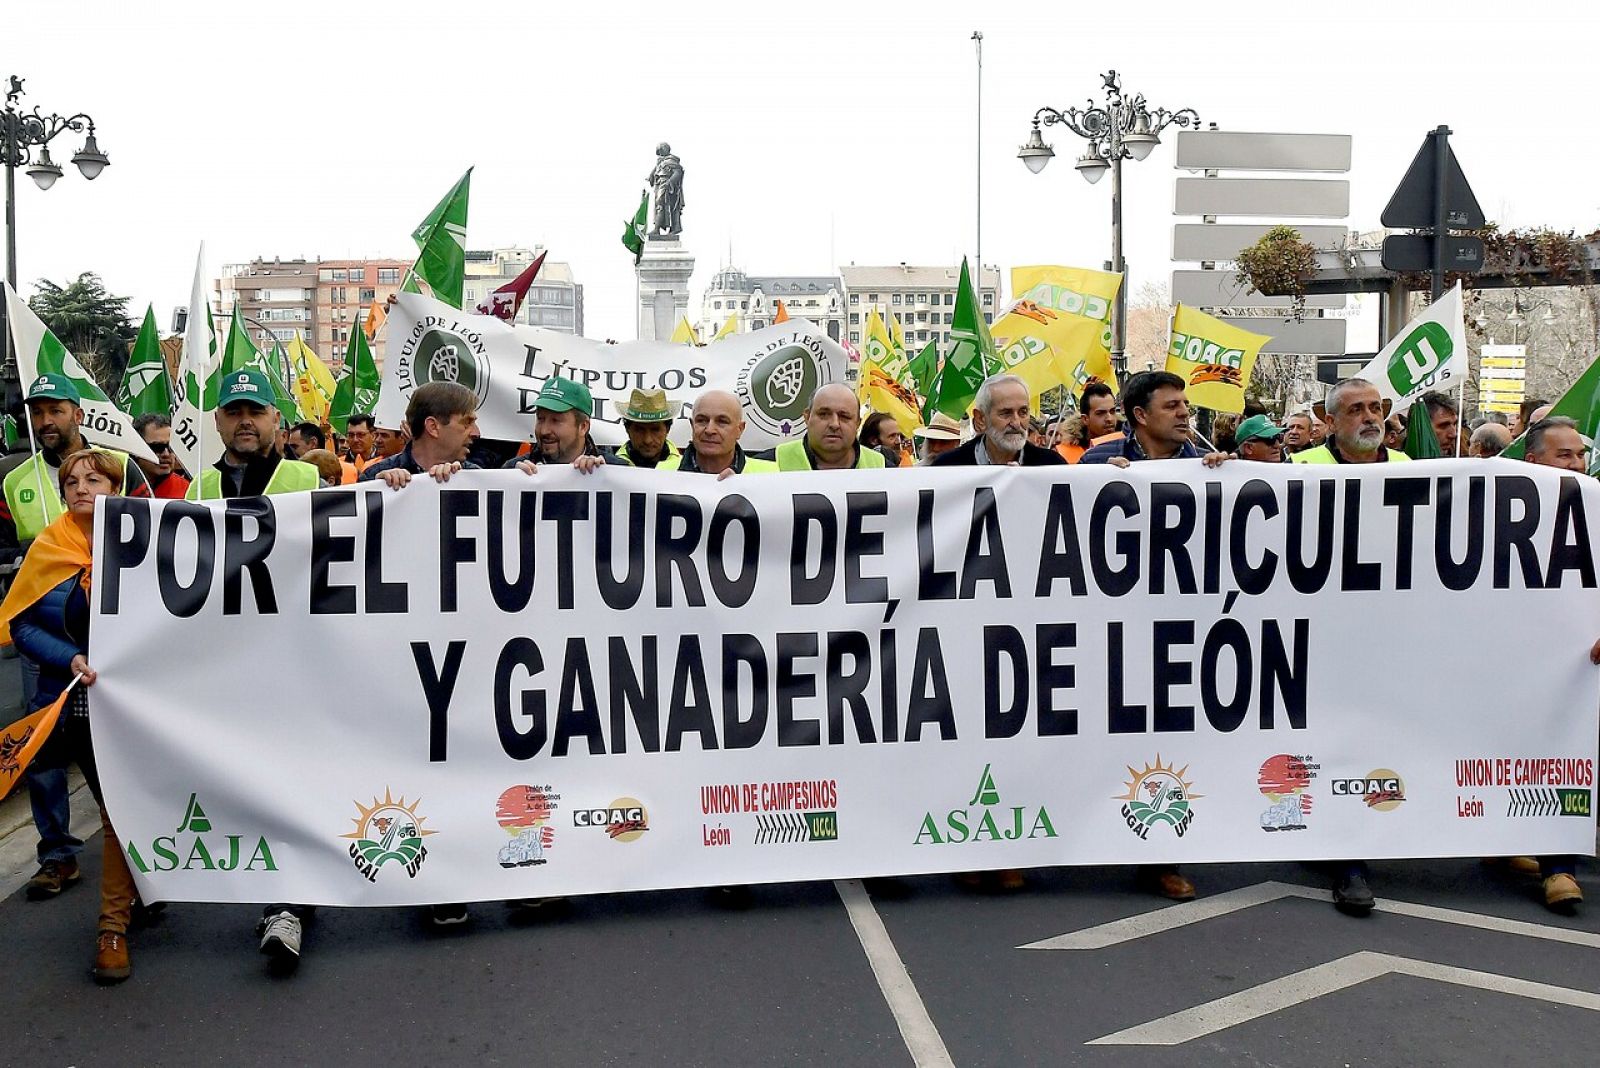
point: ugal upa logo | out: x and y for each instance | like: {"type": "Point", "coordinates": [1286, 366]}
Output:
{"type": "Point", "coordinates": [196, 846]}
{"type": "Point", "coordinates": [388, 831]}
{"type": "Point", "coordinates": [1158, 794]}
{"type": "Point", "coordinates": [978, 822]}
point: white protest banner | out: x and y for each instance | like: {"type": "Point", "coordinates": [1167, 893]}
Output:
{"type": "Point", "coordinates": [773, 371]}
{"type": "Point", "coordinates": [516, 686]}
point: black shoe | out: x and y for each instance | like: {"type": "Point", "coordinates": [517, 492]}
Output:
{"type": "Point", "coordinates": [1352, 896]}
{"type": "Point", "coordinates": [448, 915]}
{"type": "Point", "coordinates": [732, 897]}
{"type": "Point", "coordinates": [147, 915]}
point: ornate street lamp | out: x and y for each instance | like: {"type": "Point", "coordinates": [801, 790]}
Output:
{"type": "Point", "coordinates": [1124, 127]}
{"type": "Point", "coordinates": [20, 133]}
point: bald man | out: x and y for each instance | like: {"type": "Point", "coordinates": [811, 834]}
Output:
{"type": "Point", "coordinates": [715, 427]}
{"type": "Point", "coordinates": [833, 423]}
{"type": "Point", "coordinates": [1488, 440]}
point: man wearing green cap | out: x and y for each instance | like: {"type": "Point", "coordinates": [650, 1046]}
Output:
{"type": "Point", "coordinates": [647, 417]}
{"type": "Point", "coordinates": [247, 422]}
{"type": "Point", "coordinates": [32, 494]}
{"type": "Point", "coordinates": [561, 428]}
{"type": "Point", "coordinates": [1257, 439]}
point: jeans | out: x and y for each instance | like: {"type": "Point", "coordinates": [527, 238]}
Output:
{"type": "Point", "coordinates": [1566, 865]}
{"type": "Point", "coordinates": [47, 789]}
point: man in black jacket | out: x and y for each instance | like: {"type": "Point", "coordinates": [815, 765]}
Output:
{"type": "Point", "coordinates": [1000, 416]}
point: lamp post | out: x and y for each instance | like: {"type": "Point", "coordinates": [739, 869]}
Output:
{"type": "Point", "coordinates": [20, 133]}
{"type": "Point", "coordinates": [1124, 127]}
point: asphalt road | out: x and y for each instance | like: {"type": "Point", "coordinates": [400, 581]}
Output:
{"type": "Point", "coordinates": [1469, 969]}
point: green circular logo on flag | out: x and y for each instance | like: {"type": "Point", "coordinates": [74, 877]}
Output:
{"type": "Point", "coordinates": [775, 388]}
{"type": "Point", "coordinates": [443, 356]}
{"type": "Point", "coordinates": [1419, 357]}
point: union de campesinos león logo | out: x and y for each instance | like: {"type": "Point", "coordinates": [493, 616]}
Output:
{"type": "Point", "coordinates": [195, 846]}
{"type": "Point", "coordinates": [1158, 794]}
{"type": "Point", "coordinates": [985, 819]}
{"type": "Point", "coordinates": [388, 831]}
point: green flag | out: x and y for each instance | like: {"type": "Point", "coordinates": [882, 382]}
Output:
{"type": "Point", "coordinates": [9, 423]}
{"type": "Point", "coordinates": [1421, 442]}
{"type": "Point", "coordinates": [356, 392]}
{"type": "Point", "coordinates": [278, 365]}
{"type": "Point", "coordinates": [442, 237]}
{"type": "Point", "coordinates": [633, 236]}
{"type": "Point", "coordinates": [145, 388]}
{"type": "Point", "coordinates": [924, 368]}
{"type": "Point", "coordinates": [1581, 404]}
{"type": "Point", "coordinates": [970, 358]}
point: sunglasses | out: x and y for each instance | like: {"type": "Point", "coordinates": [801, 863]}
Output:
{"type": "Point", "coordinates": [158, 447]}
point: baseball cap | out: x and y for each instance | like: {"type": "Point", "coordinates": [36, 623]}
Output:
{"type": "Point", "coordinates": [54, 387]}
{"type": "Point", "coordinates": [246, 385]}
{"type": "Point", "coordinates": [1257, 426]}
{"type": "Point", "coordinates": [565, 395]}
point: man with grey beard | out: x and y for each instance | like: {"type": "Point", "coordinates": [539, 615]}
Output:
{"type": "Point", "coordinates": [1355, 409]}
{"type": "Point", "coordinates": [1001, 419]}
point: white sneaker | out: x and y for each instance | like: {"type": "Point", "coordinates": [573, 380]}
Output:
{"type": "Point", "coordinates": [280, 937]}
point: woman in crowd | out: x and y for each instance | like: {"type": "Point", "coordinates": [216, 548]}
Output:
{"type": "Point", "coordinates": [47, 613]}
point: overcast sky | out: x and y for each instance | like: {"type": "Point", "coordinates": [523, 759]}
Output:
{"type": "Point", "coordinates": [812, 134]}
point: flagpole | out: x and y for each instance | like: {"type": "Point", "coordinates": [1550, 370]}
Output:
{"type": "Point", "coordinates": [977, 37]}
{"type": "Point", "coordinates": [27, 416]}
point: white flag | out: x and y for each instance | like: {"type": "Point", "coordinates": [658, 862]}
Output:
{"type": "Point", "coordinates": [200, 358]}
{"type": "Point", "coordinates": [41, 352]}
{"type": "Point", "coordinates": [1429, 354]}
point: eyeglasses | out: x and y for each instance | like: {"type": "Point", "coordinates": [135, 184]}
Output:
{"type": "Point", "coordinates": [158, 447]}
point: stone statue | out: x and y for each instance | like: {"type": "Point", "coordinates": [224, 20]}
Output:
{"type": "Point", "coordinates": [666, 181]}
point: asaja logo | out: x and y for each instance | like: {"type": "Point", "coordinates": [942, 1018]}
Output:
{"type": "Point", "coordinates": [445, 356]}
{"type": "Point", "coordinates": [624, 820]}
{"type": "Point", "coordinates": [195, 846]}
{"type": "Point", "coordinates": [1416, 362]}
{"type": "Point", "coordinates": [1285, 779]}
{"type": "Point", "coordinates": [524, 813]}
{"type": "Point", "coordinates": [1383, 790]}
{"type": "Point", "coordinates": [1158, 794]}
{"type": "Point", "coordinates": [977, 821]}
{"type": "Point", "coordinates": [776, 385]}
{"type": "Point", "coordinates": [388, 831]}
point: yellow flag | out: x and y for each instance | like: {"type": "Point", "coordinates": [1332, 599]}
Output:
{"type": "Point", "coordinates": [882, 393]}
{"type": "Point", "coordinates": [730, 327]}
{"type": "Point", "coordinates": [1067, 311]}
{"type": "Point", "coordinates": [897, 340]}
{"type": "Point", "coordinates": [1213, 358]}
{"type": "Point", "coordinates": [683, 334]}
{"type": "Point", "coordinates": [313, 382]}
{"type": "Point", "coordinates": [878, 350]}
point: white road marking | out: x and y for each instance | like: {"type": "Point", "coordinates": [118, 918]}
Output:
{"type": "Point", "coordinates": [1175, 916]}
{"type": "Point", "coordinates": [1303, 986]}
{"type": "Point", "coordinates": [910, 1014]}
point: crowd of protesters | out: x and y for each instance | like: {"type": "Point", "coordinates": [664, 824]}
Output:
{"type": "Point", "coordinates": [50, 496]}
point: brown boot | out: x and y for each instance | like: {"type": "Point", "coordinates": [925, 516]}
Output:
{"type": "Point", "coordinates": [1562, 893]}
{"type": "Point", "coordinates": [53, 877]}
{"type": "Point", "coordinates": [111, 964]}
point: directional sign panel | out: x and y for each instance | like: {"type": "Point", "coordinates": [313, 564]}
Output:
{"type": "Point", "coordinates": [1292, 198]}
{"type": "Point", "coordinates": [1222, 289]}
{"type": "Point", "coordinates": [1194, 242]}
{"type": "Point", "coordinates": [1413, 252]}
{"type": "Point", "coordinates": [1318, 337]}
{"type": "Point", "coordinates": [1202, 150]}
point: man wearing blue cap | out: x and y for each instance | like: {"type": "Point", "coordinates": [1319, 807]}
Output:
{"type": "Point", "coordinates": [247, 422]}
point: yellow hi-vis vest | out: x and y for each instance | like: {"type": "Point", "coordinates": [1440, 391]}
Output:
{"type": "Point", "coordinates": [29, 511]}
{"type": "Point", "coordinates": [791, 456]}
{"type": "Point", "coordinates": [290, 476]}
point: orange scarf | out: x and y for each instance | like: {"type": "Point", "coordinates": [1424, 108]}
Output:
{"type": "Point", "coordinates": [61, 551]}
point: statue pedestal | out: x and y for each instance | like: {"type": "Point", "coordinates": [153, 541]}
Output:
{"type": "Point", "coordinates": [663, 272]}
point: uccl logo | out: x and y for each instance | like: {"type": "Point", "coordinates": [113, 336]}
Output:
{"type": "Point", "coordinates": [1416, 363]}
{"type": "Point", "coordinates": [445, 356]}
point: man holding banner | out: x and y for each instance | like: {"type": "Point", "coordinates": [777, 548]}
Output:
{"type": "Point", "coordinates": [714, 449]}
{"type": "Point", "coordinates": [646, 418]}
{"type": "Point", "coordinates": [247, 420]}
{"type": "Point", "coordinates": [1000, 419]}
{"type": "Point", "coordinates": [833, 422]}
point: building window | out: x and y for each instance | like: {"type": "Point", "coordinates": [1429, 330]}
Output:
{"type": "Point", "coordinates": [368, 296]}
{"type": "Point", "coordinates": [922, 298]}
{"type": "Point", "coordinates": [358, 274]}
{"type": "Point", "coordinates": [895, 299]}
{"type": "Point", "coordinates": [855, 337]}
{"type": "Point", "coordinates": [872, 296]}
{"type": "Point", "coordinates": [717, 304]}
{"type": "Point", "coordinates": [988, 299]}
{"type": "Point", "coordinates": [759, 324]}
{"type": "Point", "coordinates": [388, 276]}
{"type": "Point", "coordinates": [855, 318]}
{"type": "Point", "coordinates": [949, 299]}
{"type": "Point", "coordinates": [855, 298]}
{"type": "Point", "coordinates": [332, 274]}
{"type": "Point", "coordinates": [949, 318]}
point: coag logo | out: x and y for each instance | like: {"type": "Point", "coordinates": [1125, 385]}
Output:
{"type": "Point", "coordinates": [1158, 794]}
{"type": "Point", "coordinates": [444, 356]}
{"type": "Point", "coordinates": [388, 831]}
{"type": "Point", "coordinates": [189, 848]}
{"type": "Point", "coordinates": [624, 820]}
{"type": "Point", "coordinates": [1419, 357]}
{"type": "Point", "coordinates": [1383, 790]}
{"type": "Point", "coordinates": [977, 822]}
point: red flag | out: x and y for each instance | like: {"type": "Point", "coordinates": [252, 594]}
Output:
{"type": "Point", "coordinates": [505, 302]}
